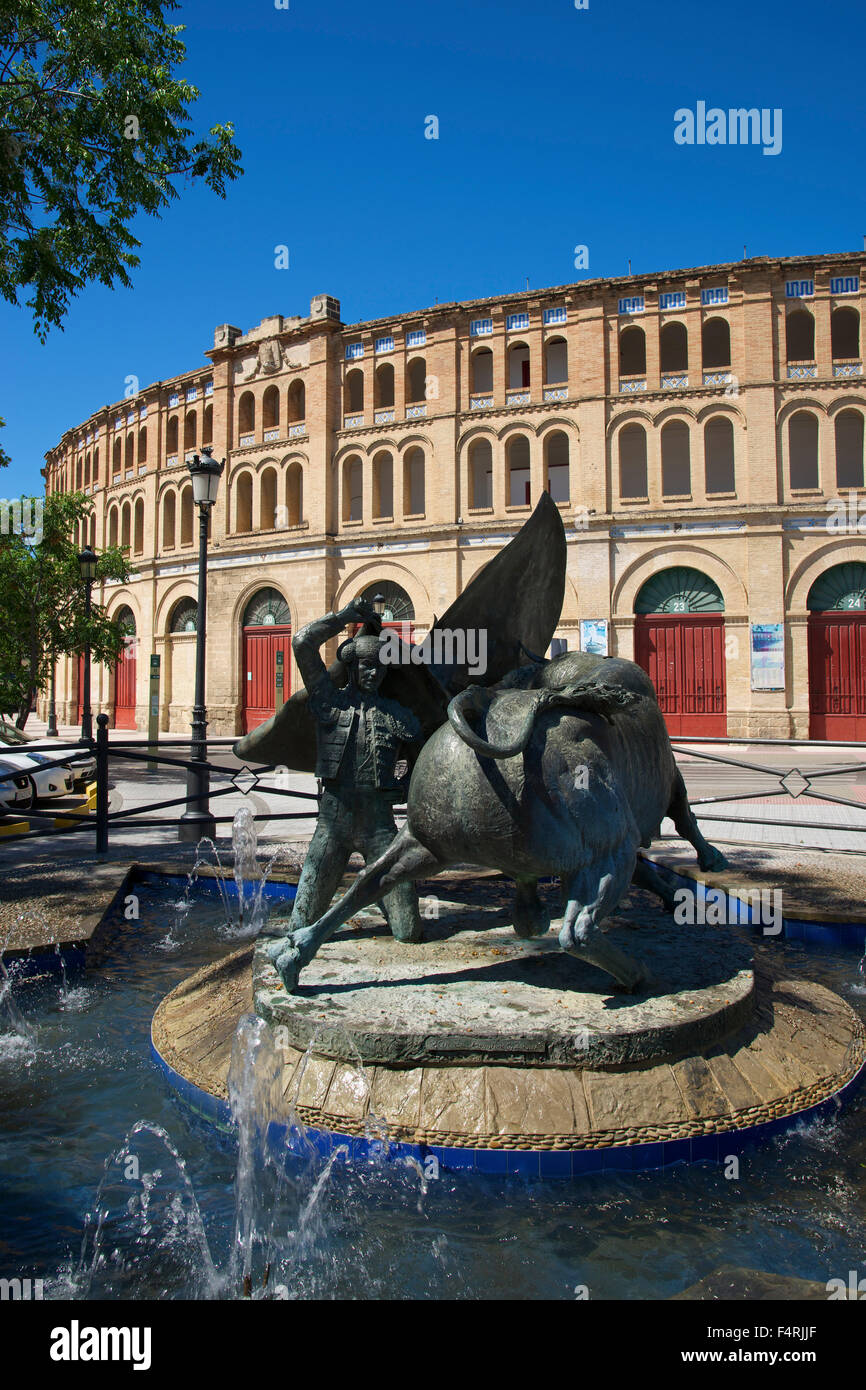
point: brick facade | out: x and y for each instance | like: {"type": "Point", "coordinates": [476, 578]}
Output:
{"type": "Point", "coordinates": [321, 494]}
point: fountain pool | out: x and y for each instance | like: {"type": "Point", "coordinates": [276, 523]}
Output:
{"type": "Point", "coordinates": [110, 1188]}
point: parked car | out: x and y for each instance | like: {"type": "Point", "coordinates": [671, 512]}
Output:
{"type": "Point", "coordinates": [48, 782]}
{"type": "Point", "coordinates": [17, 792]}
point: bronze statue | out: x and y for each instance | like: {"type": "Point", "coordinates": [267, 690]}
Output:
{"type": "Point", "coordinates": [360, 736]}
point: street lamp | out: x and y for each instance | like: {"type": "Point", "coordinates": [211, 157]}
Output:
{"type": "Point", "coordinates": [87, 562]}
{"type": "Point", "coordinates": [197, 820]}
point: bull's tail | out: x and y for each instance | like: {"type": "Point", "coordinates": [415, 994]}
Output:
{"type": "Point", "coordinates": [601, 699]}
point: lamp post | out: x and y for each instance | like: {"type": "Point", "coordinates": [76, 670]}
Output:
{"type": "Point", "coordinates": [197, 820]}
{"type": "Point", "coordinates": [52, 700]}
{"type": "Point", "coordinates": [87, 562]}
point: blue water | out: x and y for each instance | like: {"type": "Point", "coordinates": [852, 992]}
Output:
{"type": "Point", "coordinates": [71, 1092]}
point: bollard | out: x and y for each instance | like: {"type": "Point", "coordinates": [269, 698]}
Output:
{"type": "Point", "coordinates": [102, 784]}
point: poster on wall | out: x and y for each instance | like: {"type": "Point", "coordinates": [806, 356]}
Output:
{"type": "Point", "coordinates": [768, 656]}
{"type": "Point", "coordinates": [593, 636]}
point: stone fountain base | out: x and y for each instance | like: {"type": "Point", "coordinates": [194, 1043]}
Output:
{"type": "Point", "coordinates": [502, 1055]}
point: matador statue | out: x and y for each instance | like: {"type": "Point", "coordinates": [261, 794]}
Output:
{"type": "Point", "coordinates": [360, 737]}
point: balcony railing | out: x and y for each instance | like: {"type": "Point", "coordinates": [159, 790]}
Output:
{"type": "Point", "coordinates": [171, 460]}
{"type": "Point", "coordinates": [802, 371]}
{"type": "Point", "coordinates": [849, 366]}
{"type": "Point", "coordinates": [269, 435]}
{"type": "Point", "coordinates": [352, 422]}
{"type": "Point", "coordinates": [674, 381]}
{"type": "Point", "coordinates": [517, 395]}
{"type": "Point", "coordinates": [246, 440]}
{"type": "Point", "coordinates": [416, 412]}
{"type": "Point", "coordinates": [384, 417]}
{"type": "Point", "coordinates": [480, 402]}
{"type": "Point", "coordinates": [632, 383]}
{"type": "Point", "coordinates": [295, 431]}
{"type": "Point", "coordinates": [556, 393]}
{"type": "Point", "coordinates": [723, 378]}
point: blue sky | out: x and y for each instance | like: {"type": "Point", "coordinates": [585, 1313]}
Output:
{"type": "Point", "coordinates": [555, 129]}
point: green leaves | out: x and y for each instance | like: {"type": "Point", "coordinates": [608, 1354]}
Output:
{"type": "Point", "coordinates": [75, 170]}
{"type": "Point", "coordinates": [42, 597]}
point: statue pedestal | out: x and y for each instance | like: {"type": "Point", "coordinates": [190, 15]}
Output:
{"type": "Point", "coordinates": [503, 1055]}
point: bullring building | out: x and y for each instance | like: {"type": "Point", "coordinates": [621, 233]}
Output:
{"type": "Point", "coordinates": [702, 432]}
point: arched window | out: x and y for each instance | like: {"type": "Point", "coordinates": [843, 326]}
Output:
{"type": "Point", "coordinates": [676, 460]}
{"type": "Point", "coordinates": [125, 525]}
{"type": "Point", "coordinates": [94, 472]}
{"type": "Point", "coordinates": [271, 409]}
{"type": "Point", "coordinates": [138, 527]}
{"type": "Point", "coordinates": [384, 386]}
{"type": "Point", "coordinates": [719, 454]}
{"type": "Point", "coordinates": [716, 344]}
{"type": "Point", "coordinates": [171, 437]}
{"type": "Point", "coordinates": [294, 494]}
{"type": "Point", "coordinates": [190, 430]}
{"type": "Point", "coordinates": [168, 520]}
{"type": "Point", "coordinates": [297, 403]}
{"type": "Point", "coordinates": [413, 483]}
{"type": "Point", "coordinates": [244, 503]}
{"type": "Point", "coordinates": [517, 470]}
{"type": "Point", "coordinates": [246, 414]}
{"type": "Point", "coordinates": [383, 485]}
{"type": "Point", "coordinates": [555, 362]}
{"type": "Point", "coordinates": [849, 449]}
{"type": "Point", "coordinates": [130, 452]}
{"type": "Point", "coordinates": [800, 336]}
{"type": "Point", "coordinates": [632, 351]}
{"type": "Point", "coordinates": [674, 348]}
{"type": "Point", "coordinates": [481, 474]}
{"type": "Point", "coordinates": [398, 608]}
{"type": "Point", "coordinates": [354, 392]}
{"type": "Point", "coordinates": [518, 367]}
{"type": "Point", "coordinates": [803, 449]}
{"type": "Point", "coordinates": [840, 588]}
{"type": "Point", "coordinates": [416, 381]}
{"type": "Point", "coordinates": [267, 608]}
{"type": "Point", "coordinates": [633, 462]}
{"type": "Point", "coordinates": [142, 445]}
{"type": "Point", "coordinates": [353, 489]}
{"type": "Point", "coordinates": [845, 334]}
{"type": "Point", "coordinates": [207, 425]}
{"type": "Point", "coordinates": [186, 526]}
{"type": "Point", "coordinates": [79, 472]}
{"type": "Point", "coordinates": [268, 500]}
{"type": "Point", "coordinates": [117, 457]}
{"type": "Point", "coordinates": [556, 462]}
{"type": "Point", "coordinates": [184, 616]}
{"type": "Point", "coordinates": [680, 589]}
{"type": "Point", "coordinates": [92, 538]}
{"type": "Point", "coordinates": [482, 371]}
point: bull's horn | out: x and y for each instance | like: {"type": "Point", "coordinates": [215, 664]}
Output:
{"type": "Point", "coordinates": [462, 727]}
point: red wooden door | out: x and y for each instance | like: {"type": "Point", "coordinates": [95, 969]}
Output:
{"type": "Point", "coordinates": [259, 674]}
{"type": "Point", "coordinates": [684, 656]}
{"type": "Point", "coordinates": [124, 687]}
{"type": "Point", "coordinates": [837, 675]}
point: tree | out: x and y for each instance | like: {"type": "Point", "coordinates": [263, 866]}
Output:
{"type": "Point", "coordinates": [94, 128]}
{"type": "Point", "coordinates": [43, 601]}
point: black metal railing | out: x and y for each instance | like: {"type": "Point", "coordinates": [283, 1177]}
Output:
{"type": "Point", "coordinates": [118, 751]}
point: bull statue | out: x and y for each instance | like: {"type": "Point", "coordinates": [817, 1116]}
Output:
{"type": "Point", "coordinates": [564, 768]}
